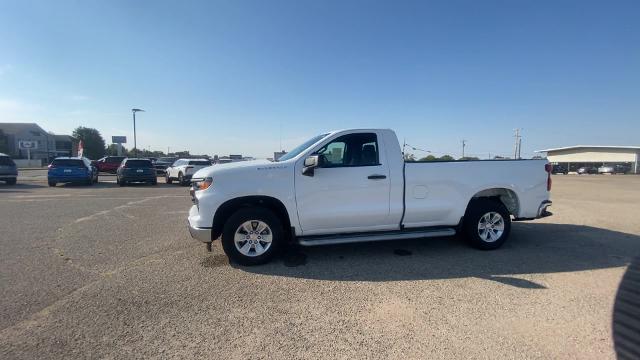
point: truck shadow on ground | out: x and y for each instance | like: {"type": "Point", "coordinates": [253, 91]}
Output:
{"type": "Point", "coordinates": [533, 248]}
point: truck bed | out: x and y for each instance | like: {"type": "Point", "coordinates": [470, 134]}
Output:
{"type": "Point", "coordinates": [437, 192]}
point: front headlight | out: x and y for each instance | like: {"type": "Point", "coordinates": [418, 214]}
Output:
{"type": "Point", "coordinates": [202, 184]}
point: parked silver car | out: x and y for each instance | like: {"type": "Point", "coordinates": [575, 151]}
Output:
{"type": "Point", "coordinates": [614, 169]}
{"type": "Point", "coordinates": [8, 170]}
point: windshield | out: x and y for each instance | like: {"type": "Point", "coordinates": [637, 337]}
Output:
{"type": "Point", "coordinates": [115, 159]}
{"type": "Point", "coordinates": [293, 153]}
{"type": "Point", "coordinates": [6, 161]}
{"type": "Point", "coordinates": [138, 164]}
{"type": "Point", "coordinates": [200, 162]}
{"type": "Point", "coordinates": [68, 163]}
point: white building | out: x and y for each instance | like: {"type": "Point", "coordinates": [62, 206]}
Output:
{"type": "Point", "coordinates": [577, 156]}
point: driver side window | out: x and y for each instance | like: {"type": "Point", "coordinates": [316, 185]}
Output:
{"type": "Point", "coordinates": [359, 149]}
{"type": "Point", "coordinates": [333, 154]}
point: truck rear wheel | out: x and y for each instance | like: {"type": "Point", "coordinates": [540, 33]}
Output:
{"type": "Point", "coordinates": [487, 224]}
{"type": "Point", "coordinates": [252, 236]}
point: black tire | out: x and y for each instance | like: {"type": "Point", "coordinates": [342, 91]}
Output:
{"type": "Point", "coordinates": [122, 183]}
{"type": "Point", "coordinates": [247, 214]}
{"type": "Point", "coordinates": [477, 210]}
{"type": "Point", "coordinates": [89, 182]}
{"type": "Point", "coordinates": [181, 179]}
{"type": "Point", "coordinates": [154, 182]}
{"type": "Point", "coordinates": [52, 183]}
{"type": "Point", "coordinates": [96, 180]}
{"type": "Point", "coordinates": [167, 179]}
{"type": "Point", "coordinates": [11, 181]}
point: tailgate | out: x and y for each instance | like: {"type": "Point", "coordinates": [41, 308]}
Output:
{"type": "Point", "coordinates": [133, 172]}
{"type": "Point", "coordinates": [68, 172]}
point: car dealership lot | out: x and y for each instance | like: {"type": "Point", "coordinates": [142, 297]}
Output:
{"type": "Point", "coordinates": [104, 271]}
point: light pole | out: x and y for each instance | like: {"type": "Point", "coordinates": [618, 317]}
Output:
{"type": "Point", "coordinates": [135, 145]}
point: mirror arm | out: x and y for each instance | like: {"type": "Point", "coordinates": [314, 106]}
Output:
{"type": "Point", "coordinates": [308, 171]}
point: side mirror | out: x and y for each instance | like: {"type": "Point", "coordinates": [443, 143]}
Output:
{"type": "Point", "coordinates": [310, 164]}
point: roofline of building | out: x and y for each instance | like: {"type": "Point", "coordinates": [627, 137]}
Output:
{"type": "Point", "coordinates": [591, 146]}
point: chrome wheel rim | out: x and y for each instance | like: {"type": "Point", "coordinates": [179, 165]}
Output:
{"type": "Point", "coordinates": [253, 238]}
{"type": "Point", "coordinates": [491, 226]}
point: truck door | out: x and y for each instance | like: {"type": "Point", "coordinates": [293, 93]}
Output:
{"type": "Point", "coordinates": [349, 191]}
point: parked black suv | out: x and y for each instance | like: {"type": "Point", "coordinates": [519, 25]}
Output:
{"type": "Point", "coordinates": [560, 169]}
{"type": "Point", "coordinates": [136, 170]}
{"type": "Point", "coordinates": [163, 163]}
{"type": "Point", "coordinates": [8, 170]}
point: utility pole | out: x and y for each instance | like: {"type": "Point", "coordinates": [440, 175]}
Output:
{"type": "Point", "coordinates": [516, 145]}
{"type": "Point", "coordinates": [464, 143]}
{"type": "Point", "coordinates": [135, 145]}
{"type": "Point", "coordinates": [519, 147]}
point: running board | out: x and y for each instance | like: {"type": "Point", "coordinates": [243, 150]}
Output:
{"type": "Point", "coordinates": [383, 236]}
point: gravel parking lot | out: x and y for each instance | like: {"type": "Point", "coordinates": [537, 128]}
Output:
{"type": "Point", "coordinates": [110, 272]}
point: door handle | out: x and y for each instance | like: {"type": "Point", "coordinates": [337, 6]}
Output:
{"type": "Point", "coordinates": [376, 177]}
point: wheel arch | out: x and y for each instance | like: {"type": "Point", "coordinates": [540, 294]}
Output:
{"type": "Point", "coordinates": [229, 207]}
{"type": "Point", "coordinates": [506, 196]}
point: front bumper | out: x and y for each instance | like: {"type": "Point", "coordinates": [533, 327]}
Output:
{"type": "Point", "coordinates": [8, 176]}
{"type": "Point", "coordinates": [202, 234]}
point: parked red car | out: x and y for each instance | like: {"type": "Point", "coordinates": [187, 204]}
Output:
{"type": "Point", "coordinates": [109, 164]}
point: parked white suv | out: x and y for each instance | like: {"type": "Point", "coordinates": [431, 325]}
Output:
{"type": "Point", "coordinates": [183, 169]}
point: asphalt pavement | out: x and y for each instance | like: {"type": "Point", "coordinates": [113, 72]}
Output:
{"type": "Point", "coordinates": [111, 272]}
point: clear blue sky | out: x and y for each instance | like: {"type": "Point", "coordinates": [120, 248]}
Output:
{"type": "Point", "coordinates": [223, 77]}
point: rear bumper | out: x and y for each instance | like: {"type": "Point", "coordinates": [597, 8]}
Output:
{"type": "Point", "coordinates": [542, 211]}
{"type": "Point", "coordinates": [139, 178]}
{"type": "Point", "coordinates": [62, 179]}
{"type": "Point", "coordinates": [8, 176]}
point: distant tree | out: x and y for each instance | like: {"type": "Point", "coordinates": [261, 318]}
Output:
{"type": "Point", "coordinates": [469, 158]}
{"type": "Point", "coordinates": [537, 157]}
{"type": "Point", "coordinates": [92, 141]}
{"type": "Point", "coordinates": [112, 150]}
{"type": "Point", "coordinates": [148, 153]}
{"type": "Point", "coordinates": [429, 158]}
{"type": "Point", "coordinates": [446, 158]}
{"type": "Point", "coordinates": [409, 157]}
{"type": "Point", "coordinates": [498, 157]}
{"type": "Point", "coordinates": [4, 143]}
{"type": "Point", "coordinates": [184, 154]}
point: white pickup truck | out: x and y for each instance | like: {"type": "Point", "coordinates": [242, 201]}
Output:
{"type": "Point", "coordinates": [354, 186]}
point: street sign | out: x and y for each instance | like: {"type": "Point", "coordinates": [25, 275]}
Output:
{"type": "Point", "coordinates": [119, 139]}
{"type": "Point", "coordinates": [27, 144]}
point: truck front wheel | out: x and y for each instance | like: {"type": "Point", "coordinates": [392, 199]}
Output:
{"type": "Point", "coordinates": [487, 224]}
{"type": "Point", "coordinates": [252, 236]}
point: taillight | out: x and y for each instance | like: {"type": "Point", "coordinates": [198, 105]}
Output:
{"type": "Point", "coordinates": [548, 168]}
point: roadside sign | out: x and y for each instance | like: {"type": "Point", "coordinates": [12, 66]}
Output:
{"type": "Point", "coordinates": [119, 139]}
{"type": "Point", "coordinates": [27, 144]}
